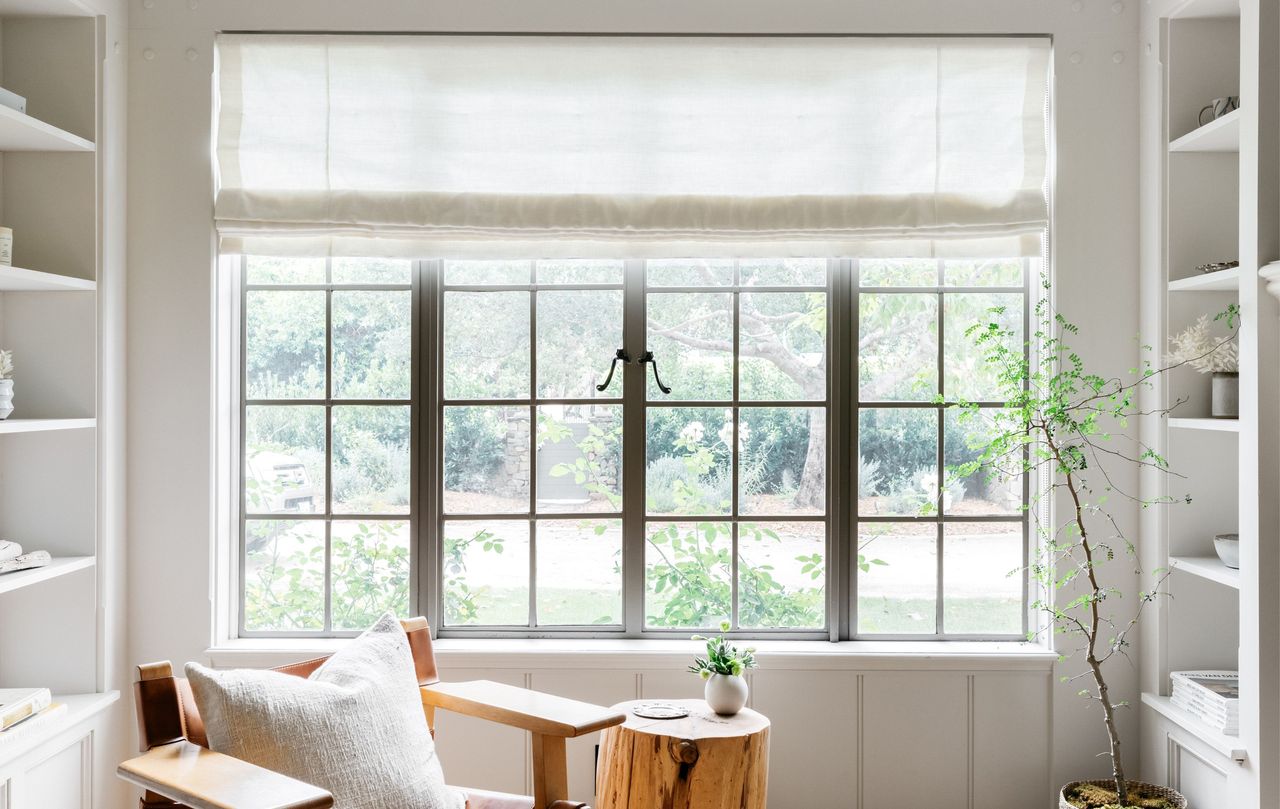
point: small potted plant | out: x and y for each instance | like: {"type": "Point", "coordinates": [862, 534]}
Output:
{"type": "Point", "coordinates": [6, 384]}
{"type": "Point", "coordinates": [1208, 354]}
{"type": "Point", "coordinates": [722, 668]}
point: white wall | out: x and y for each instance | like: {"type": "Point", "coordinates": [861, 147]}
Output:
{"type": "Point", "coordinates": [950, 718]}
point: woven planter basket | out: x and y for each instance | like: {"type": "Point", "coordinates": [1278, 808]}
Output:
{"type": "Point", "coordinates": [1150, 790]}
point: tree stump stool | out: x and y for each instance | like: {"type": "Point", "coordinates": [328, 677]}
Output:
{"type": "Point", "coordinates": [702, 761]}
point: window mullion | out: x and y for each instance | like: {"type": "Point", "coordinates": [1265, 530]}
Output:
{"type": "Point", "coordinates": [633, 450]}
{"type": "Point", "coordinates": [427, 462]}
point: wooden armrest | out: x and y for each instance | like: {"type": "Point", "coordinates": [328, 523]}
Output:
{"type": "Point", "coordinates": [521, 708]}
{"type": "Point", "coordinates": [202, 779]}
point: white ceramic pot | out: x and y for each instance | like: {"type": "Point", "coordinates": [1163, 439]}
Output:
{"type": "Point", "coordinates": [1225, 401]}
{"type": "Point", "coordinates": [1228, 549]}
{"type": "Point", "coordinates": [726, 694]}
{"type": "Point", "coordinates": [6, 398]}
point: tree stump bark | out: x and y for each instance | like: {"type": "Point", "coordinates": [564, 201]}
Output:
{"type": "Point", "coordinates": [702, 761]}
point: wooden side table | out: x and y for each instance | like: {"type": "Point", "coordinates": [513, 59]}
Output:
{"type": "Point", "coordinates": [702, 761]}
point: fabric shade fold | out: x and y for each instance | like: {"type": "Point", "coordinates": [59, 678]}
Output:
{"type": "Point", "coordinates": [601, 146]}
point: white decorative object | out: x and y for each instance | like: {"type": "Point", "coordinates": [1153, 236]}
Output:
{"type": "Point", "coordinates": [354, 727]}
{"type": "Point", "coordinates": [1227, 547]}
{"type": "Point", "coordinates": [1206, 353]}
{"type": "Point", "coordinates": [6, 384]}
{"type": "Point", "coordinates": [27, 561]}
{"type": "Point", "coordinates": [726, 694]}
{"type": "Point", "coordinates": [6, 247]}
{"type": "Point", "coordinates": [586, 145]}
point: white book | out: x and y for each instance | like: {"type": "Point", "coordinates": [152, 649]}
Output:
{"type": "Point", "coordinates": [17, 704]}
{"type": "Point", "coordinates": [35, 724]}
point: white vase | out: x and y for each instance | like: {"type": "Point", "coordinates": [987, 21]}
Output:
{"type": "Point", "coordinates": [726, 693]}
{"type": "Point", "coordinates": [6, 398]}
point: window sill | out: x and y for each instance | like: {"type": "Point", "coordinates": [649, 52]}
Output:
{"type": "Point", "coordinates": [637, 654]}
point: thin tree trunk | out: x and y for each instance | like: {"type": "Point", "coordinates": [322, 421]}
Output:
{"type": "Point", "coordinates": [812, 491]}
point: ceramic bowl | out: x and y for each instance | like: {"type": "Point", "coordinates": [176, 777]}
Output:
{"type": "Point", "coordinates": [1228, 548]}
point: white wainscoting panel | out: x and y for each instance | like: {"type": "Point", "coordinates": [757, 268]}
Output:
{"type": "Point", "coordinates": [1011, 739]}
{"type": "Point", "coordinates": [813, 743]}
{"type": "Point", "coordinates": [1204, 785]}
{"type": "Point", "coordinates": [476, 753]}
{"type": "Point", "coordinates": [63, 780]}
{"type": "Point", "coordinates": [915, 740]}
{"type": "Point", "coordinates": [600, 687]}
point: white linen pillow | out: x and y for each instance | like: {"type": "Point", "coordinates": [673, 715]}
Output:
{"type": "Point", "coordinates": [354, 727]}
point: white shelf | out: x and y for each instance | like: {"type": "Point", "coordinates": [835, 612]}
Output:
{"type": "Point", "coordinates": [1219, 135]}
{"type": "Point", "coordinates": [1207, 567]}
{"type": "Point", "coordinates": [1202, 9]}
{"type": "Point", "coordinates": [1220, 281]}
{"type": "Point", "coordinates": [16, 279]}
{"type": "Point", "coordinates": [1215, 425]}
{"type": "Point", "coordinates": [60, 566]}
{"type": "Point", "coordinates": [12, 425]}
{"type": "Point", "coordinates": [80, 708]}
{"type": "Point", "coordinates": [1228, 746]}
{"type": "Point", "coordinates": [22, 133]}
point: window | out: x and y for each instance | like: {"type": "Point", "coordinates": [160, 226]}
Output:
{"type": "Point", "coordinates": [621, 447]}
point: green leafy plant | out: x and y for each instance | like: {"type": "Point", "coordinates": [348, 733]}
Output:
{"type": "Point", "coordinates": [722, 657]}
{"type": "Point", "coordinates": [1069, 425]}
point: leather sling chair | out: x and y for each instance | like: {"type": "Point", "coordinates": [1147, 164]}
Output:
{"type": "Point", "coordinates": [178, 770]}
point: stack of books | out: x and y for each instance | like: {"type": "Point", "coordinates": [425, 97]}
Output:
{"type": "Point", "coordinates": [26, 710]}
{"type": "Point", "coordinates": [1213, 697]}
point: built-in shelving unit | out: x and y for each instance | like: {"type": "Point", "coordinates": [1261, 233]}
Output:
{"type": "Point", "coordinates": [1207, 567]}
{"type": "Point", "coordinates": [1227, 746]}
{"type": "Point", "coordinates": [1220, 281]}
{"type": "Point", "coordinates": [60, 566]}
{"type": "Point", "coordinates": [1213, 425]}
{"type": "Point", "coordinates": [1205, 188]}
{"type": "Point", "coordinates": [1219, 135]}
{"type": "Point", "coordinates": [51, 195]}
{"type": "Point", "coordinates": [16, 279]}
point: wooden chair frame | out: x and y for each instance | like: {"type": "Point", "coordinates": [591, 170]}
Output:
{"type": "Point", "coordinates": [178, 770]}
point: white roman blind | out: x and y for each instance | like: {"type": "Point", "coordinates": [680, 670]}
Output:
{"type": "Point", "coordinates": [604, 146]}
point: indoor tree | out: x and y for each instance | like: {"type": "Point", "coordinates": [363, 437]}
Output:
{"type": "Point", "coordinates": [1069, 426]}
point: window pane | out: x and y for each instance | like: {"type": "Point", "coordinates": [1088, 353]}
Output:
{"type": "Point", "coordinates": [284, 463]}
{"type": "Point", "coordinates": [486, 345]}
{"type": "Point", "coordinates": [283, 575]}
{"type": "Point", "coordinates": [372, 345]}
{"type": "Point", "coordinates": [372, 271]}
{"type": "Point", "coordinates": [486, 272]}
{"type": "Point", "coordinates": [371, 459]}
{"type": "Point", "coordinates": [781, 569]}
{"type": "Point", "coordinates": [897, 346]}
{"type": "Point", "coordinates": [897, 578]}
{"type": "Point", "coordinates": [579, 331]}
{"type": "Point", "coordinates": [982, 575]}
{"type": "Point", "coordinates": [270, 270]}
{"type": "Point", "coordinates": [688, 272]}
{"type": "Point", "coordinates": [579, 458]}
{"type": "Point", "coordinates": [991, 489]}
{"type": "Point", "coordinates": [579, 572]}
{"type": "Point", "coordinates": [486, 573]}
{"type": "Point", "coordinates": [991, 272]}
{"type": "Point", "coordinates": [580, 271]}
{"type": "Point", "coordinates": [689, 460]}
{"type": "Point", "coordinates": [486, 460]}
{"type": "Point", "coordinates": [969, 376]}
{"type": "Point", "coordinates": [783, 345]}
{"type": "Point", "coordinates": [784, 460]}
{"type": "Point", "coordinates": [908, 272]}
{"type": "Point", "coordinates": [370, 572]}
{"type": "Point", "coordinates": [284, 345]}
{"type": "Point", "coordinates": [784, 272]}
{"type": "Point", "coordinates": [688, 574]}
{"type": "Point", "coordinates": [897, 461]}
{"type": "Point", "coordinates": [691, 335]}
